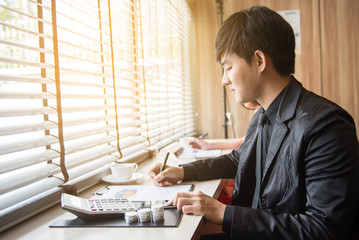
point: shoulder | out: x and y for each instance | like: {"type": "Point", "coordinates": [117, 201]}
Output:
{"type": "Point", "coordinates": [314, 119]}
{"type": "Point", "coordinates": [325, 127]}
{"type": "Point", "coordinates": [319, 111]}
{"type": "Point", "coordinates": [301, 104]}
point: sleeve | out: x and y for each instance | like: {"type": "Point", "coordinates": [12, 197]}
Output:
{"type": "Point", "coordinates": [213, 168]}
{"type": "Point", "coordinates": [227, 219]}
{"type": "Point", "coordinates": [331, 167]}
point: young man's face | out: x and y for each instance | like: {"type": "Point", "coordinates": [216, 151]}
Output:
{"type": "Point", "coordinates": [241, 77]}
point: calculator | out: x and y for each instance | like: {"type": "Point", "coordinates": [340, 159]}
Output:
{"type": "Point", "coordinates": [94, 209]}
{"type": "Point", "coordinates": [104, 208]}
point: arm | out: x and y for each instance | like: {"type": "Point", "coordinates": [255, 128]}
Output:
{"type": "Point", "coordinates": [198, 170]}
{"type": "Point", "coordinates": [229, 144]}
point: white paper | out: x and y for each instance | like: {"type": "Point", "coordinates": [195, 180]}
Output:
{"type": "Point", "coordinates": [143, 192]}
{"type": "Point", "coordinates": [199, 153]}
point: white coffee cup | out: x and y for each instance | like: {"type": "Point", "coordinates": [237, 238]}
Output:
{"type": "Point", "coordinates": [123, 171]}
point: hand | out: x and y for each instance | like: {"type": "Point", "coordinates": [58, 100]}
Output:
{"type": "Point", "coordinates": [200, 144]}
{"type": "Point", "coordinates": [199, 204]}
{"type": "Point", "coordinates": [167, 177]}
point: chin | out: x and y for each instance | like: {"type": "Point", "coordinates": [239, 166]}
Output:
{"type": "Point", "coordinates": [238, 98]}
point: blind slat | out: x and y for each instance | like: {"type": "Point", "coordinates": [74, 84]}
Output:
{"type": "Point", "coordinates": [24, 46]}
{"type": "Point", "coordinates": [7, 165]}
{"type": "Point", "coordinates": [20, 145]}
{"type": "Point", "coordinates": [26, 178]}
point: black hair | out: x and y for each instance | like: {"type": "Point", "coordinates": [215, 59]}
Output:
{"type": "Point", "coordinates": [258, 28]}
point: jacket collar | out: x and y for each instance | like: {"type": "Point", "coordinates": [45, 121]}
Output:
{"type": "Point", "coordinates": [288, 104]}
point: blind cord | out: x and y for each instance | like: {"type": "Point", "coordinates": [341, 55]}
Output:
{"type": "Point", "coordinates": [58, 93]}
{"type": "Point", "coordinates": [114, 80]}
{"type": "Point", "coordinates": [144, 78]}
{"type": "Point", "coordinates": [102, 58]}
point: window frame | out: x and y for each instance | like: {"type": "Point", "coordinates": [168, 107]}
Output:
{"type": "Point", "coordinates": [142, 83]}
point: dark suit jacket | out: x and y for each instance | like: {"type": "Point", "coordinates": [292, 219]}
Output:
{"type": "Point", "coordinates": [310, 184]}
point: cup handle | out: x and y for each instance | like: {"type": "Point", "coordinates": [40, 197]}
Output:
{"type": "Point", "coordinates": [135, 166]}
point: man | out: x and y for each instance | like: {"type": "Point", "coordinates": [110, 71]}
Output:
{"type": "Point", "coordinates": [296, 173]}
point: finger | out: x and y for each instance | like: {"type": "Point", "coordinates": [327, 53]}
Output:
{"type": "Point", "coordinates": [181, 195]}
{"type": "Point", "coordinates": [164, 175]}
{"type": "Point", "coordinates": [153, 181]}
{"type": "Point", "coordinates": [174, 200]}
{"type": "Point", "coordinates": [167, 183]}
{"type": "Point", "coordinates": [160, 177]}
{"type": "Point", "coordinates": [164, 184]}
{"type": "Point", "coordinates": [153, 172]}
{"type": "Point", "coordinates": [189, 209]}
{"type": "Point", "coordinates": [170, 202]}
{"type": "Point", "coordinates": [183, 201]}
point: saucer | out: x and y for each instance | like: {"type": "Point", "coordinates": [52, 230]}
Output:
{"type": "Point", "coordinates": [110, 179]}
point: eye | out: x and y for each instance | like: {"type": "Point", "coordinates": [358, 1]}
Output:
{"type": "Point", "coordinates": [229, 68]}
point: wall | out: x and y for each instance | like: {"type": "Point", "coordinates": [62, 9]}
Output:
{"type": "Point", "coordinates": [326, 65]}
{"type": "Point", "coordinates": [209, 87]}
{"type": "Point", "coordinates": [340, 56]}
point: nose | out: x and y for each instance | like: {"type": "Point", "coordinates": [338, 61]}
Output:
{"type": "Point", "coordinates": [225, 79]}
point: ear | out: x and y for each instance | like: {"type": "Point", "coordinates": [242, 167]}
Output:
{"type": "Point", "coordinates": [260, 60]}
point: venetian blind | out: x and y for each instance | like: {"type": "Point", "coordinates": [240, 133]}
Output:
{"type": "Point", "coordinates": [84, 84]}
{"type": "Point", "coordinates": [167, 43]}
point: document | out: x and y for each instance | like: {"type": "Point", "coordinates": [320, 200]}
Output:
{"type": "Point", "coordinates": [142, 192]}
{"type": "Point", "coordinates": [189, 152]}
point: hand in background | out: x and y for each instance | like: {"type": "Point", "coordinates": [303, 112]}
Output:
{"type": "Point", "coordinates": [228, 144]}
{"type": "Point", "coordinates": [200, 144]}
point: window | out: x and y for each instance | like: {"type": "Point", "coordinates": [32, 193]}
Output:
{"type": "Point", "coordinates": [84, 84]}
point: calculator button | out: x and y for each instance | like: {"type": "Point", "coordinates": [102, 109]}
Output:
{"type": "Point", "coordinates": [111, 205]}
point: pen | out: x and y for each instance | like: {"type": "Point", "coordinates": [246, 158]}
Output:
{"type": "Point", "coordinates": [203, 135]}
{"type": "Point", "coordinates": [102, 191]}
{"type": "Point", "coordinates": [164, 164]}
{"type": "Point", "coordinates": [200, 137]}
{"type": "Point", "coordinates": [165, 161]}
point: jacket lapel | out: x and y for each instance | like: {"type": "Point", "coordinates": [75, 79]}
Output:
{"type": "Point", "coordinates": [279, 132]}
{"type": "Point", "coordinates": [286, 111]}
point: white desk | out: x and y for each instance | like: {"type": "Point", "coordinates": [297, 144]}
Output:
{"type": "Point", "coordinates": [37, 227]}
